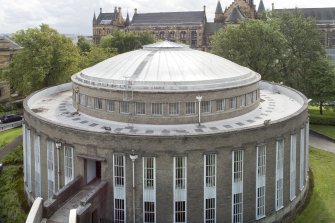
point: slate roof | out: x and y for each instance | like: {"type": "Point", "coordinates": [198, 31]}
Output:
{"type": "Point", "coordinates": [261, 7]}
{"type": "Point", "coordinates": [8, 44]}
{"type": "Point", "coordinates": [212, 27]}
{"type": "Point", "coordinates": [218, 8]}
{"type": "Point", "coordinates": [105, 17]}
{"type": "Point", "coordinates": [168, 18]}
{"type": "Point", "coordinates": [235, 16]}
{"type": "Point", "coordinates": [320, 14]}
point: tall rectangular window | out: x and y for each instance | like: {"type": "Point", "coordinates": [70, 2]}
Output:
{"type": "Point", "coordinates": [190, 108]}
{"type": "Point", "coordinates": [205, 106]}
{"type": "Point", "coordinates": [140, 108]}
{"type": "Point", "coordinates": [279, 173]}
{"type": "Point", "coordinates": [124, 107]}
{"type": "Point", "coordinates": [119, 170]}
{"type": "Point", "coordinates": [173, 108]}
{"type": "Point", "coordinates": [29, 161]}
{"type": "Point", "coordinates": [37, 152]}
{"type": "Point", "coordinates": [51, 168]}
{"type": "Point", "coordinates": [119, 188]}
{"type": "Point", "coordinates": [83, 99]}
{"type": "Point", "coordinates": [237, 187]}
{"type": "Point", "coordinates": [110, 105]}
{"type": "Point", "coordinates": [119, 211]}
{"type": "Point", "coordinates": [24, 143]}
{"type": "Point", "coordinates": [260, 181]}
{"type": "Point", "coordinates": [210, 188]}
{"type": "Point", "coordinates": [149, 189]}
{"type": "Point", "coordinates": [243, 100]}
{"type": "Point", "coordinates": [157, 108]}
{"type": "Point", "coordinates": [180, 188]}
{"type": "Point", "coordinates": [307, 149]}
{"type": "Point", "coordinates": [90, 101]}
{"type": "Point", "coordinates": [293, 158]}
{"type": "Point", "coordinates": [98, 103]}
{"type": "Point", "coordinates": [220, 105]}
{"type": "Point", "coordinates": [68, 164]}
{"type": "Point", "coordinates": [232, 103]}
{"type": "Point", "coordinates": [302, 158]}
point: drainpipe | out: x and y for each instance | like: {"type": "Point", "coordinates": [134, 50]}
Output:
{"type": "Point", "coordinates": [199, 98]}
{"type": "Point", "coordinates": [58, 146]}
{"type": "Point", "coordinates": [133, 157]}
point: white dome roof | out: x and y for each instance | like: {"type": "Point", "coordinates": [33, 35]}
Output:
{"type": "Point", "coordinates": [166, 66]}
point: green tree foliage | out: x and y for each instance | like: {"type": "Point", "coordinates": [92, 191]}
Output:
{"type": "Point", "coordinates": [284, 48]}
{"type": "Point", "coordinates": [47, 59]}
{"type": "Point", "coordinates": [93, 56]}
{"type": "Point", "coordinates": [256, 44]}
{"type": "Point", "coordinates": [83, 45]}
{"type": "Point", "coordinates": [122, 41]}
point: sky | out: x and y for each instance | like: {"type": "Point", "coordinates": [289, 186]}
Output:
{"type": "Point", "coordinates": [75, 16]}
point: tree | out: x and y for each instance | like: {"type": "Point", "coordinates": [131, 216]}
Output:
{"type": "Point", "coordinates": [256, 44]}
{"type": "Point", "coordinates": [94, 56]}
{"type": "Point", "coordinates": [83, 44]}
{"type": "Point", "coordinates": [122, 41]}
{"type": "Point", "coordinates": [47, 59]}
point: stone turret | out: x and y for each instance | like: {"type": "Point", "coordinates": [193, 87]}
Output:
{"type": "Point", "coordinates": [261, 7]}
{"type": "Point", "coordinates": [218, 14]}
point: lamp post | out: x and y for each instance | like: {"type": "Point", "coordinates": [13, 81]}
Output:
{"type": "Point", "coordinates": [199, 98]}
{"type": "Point", "coordinates": [133, 157]}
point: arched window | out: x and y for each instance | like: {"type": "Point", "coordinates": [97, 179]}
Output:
{"type": "Point", "coordinates": [162, 35]}
{"type": "Point", "coordinates": [193, 38]}
{"type": "Point", "coordinates": [172, 35]}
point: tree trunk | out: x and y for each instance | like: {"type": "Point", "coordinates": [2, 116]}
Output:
{"type": "Point", "coordinates": [321, 104]}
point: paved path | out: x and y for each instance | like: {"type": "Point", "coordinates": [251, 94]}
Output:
{"type": "Point", "coordinates": [10, 147]}
{"type": "Point", "coordinates": [321, 143]}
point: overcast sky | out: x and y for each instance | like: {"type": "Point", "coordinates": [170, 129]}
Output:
{"type": "Point", "coordinates": [75, 16]}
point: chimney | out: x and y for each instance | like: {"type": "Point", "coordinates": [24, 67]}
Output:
{"type": "Point", "coordinates": [204, 8]}
{"type": "Point", "coordinates": [135, 11]}
{"type": "Point", "coordinates": [100, 10]}
{"type": "Point", "coordinates": [273, 6]}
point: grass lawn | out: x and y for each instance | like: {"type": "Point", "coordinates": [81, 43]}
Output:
{"type": "Point", "coordinates": [328, 111]}
{"type": "Point", "coordinates": [327, 130]}
{"type": "Point", "coordinates": [9, 135]}
{"type": "Point", "coordinates": [321, 207]}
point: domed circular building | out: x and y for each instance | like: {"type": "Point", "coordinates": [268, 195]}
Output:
{"type": "Point", "coordinates": [167, 134]}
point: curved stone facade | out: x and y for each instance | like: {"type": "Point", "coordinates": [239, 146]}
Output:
{"type": "Point", "coordinates": [244, 168]}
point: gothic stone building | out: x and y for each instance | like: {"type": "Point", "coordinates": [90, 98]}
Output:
{"type": "Point", "coordinates": [7, 49]}
{"type": "Point", "coordinates": [190, 27]}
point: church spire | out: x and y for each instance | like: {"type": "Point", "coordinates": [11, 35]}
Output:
{"type": "Point", "coordinates": [218, 14]}
{"type": "Point", "coordinates": [127, 22]}
{"type": "Point", "coordinates": [261, 7]}
{"type": "Point", "coordinates": [218, 8]}
{"type": "Point", "coordinates": [94, 18]}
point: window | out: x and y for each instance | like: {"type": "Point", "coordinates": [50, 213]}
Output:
{"type": "Point", "coordinates": [180, 211]}
{"type": "Point", "coordinates": [98, 103]}
{"type": "Point", "coordinates": [28, 160]}
{"type": "Point", "coordinates": [110, 105]}
{"type": "Point", "coordinates": [149, 186]}
{"type": "Point", "coordinates": [157, 108]}
{"type": "Point", "coordinates": [119, 188]}
{"type": "Point", "coordinates": [243, 100]}
{"type": "Point", "coordinates": [51, 168]}
{"type": "Point", "coordinates": [237, 208]}
{"type": "Point", "coordinates": [302, 158]}
{"type": "Point", "coordinates": [124, 107]}
{"type": "Point", "coordinates": [119, 211]}
{"type": "Point", "coordinates": [182, 35]}
{"type": "Point", "coordinates": [37, 166]}
{"type": "Point", "coordinates": [119, 170]}
{"type": "Point", "coordinates": [149, 174]}
{"type": "Point", "coordinates": [179, 164]}
{"type": "Point", "coordinates": [149, 212]}
{"type": "Point", "coordinates": [193, 38]}
{"type": "Point", "coordinates": [140, 108]}
{"type": "Point", "coordinates": [205, 106]}
{"type": "Point", "coordinates": [172, 35]}
{"type": "Point", "coordinates": [210, 188]}
{"type": "Point", "coordinates": [307, 149]}
{"type": "Point", "coordinates": [83, 99]}
{"type": "Point", "coordinates": [237, 186]}
{"type": "Point", "coordinates": [210, 170]}
{"type": "Point", "coordinates": [190, 108]}
{"type": "Point", "coordinates": [162, 35]}
{"type": "Point", "coordinates": [210, 211]}
{"type": "Point", "coordinates": [293, 157]}
{"type": "Point", "coordinates": [254, 96]}
{"type": "Point", "coordinates": [279, 173]}
{"type": "Point", "coordinates": [260, 181]}
{"type": "Point", "coordinates": [232, 103]}
{"type": "Point", "coordinates": [220, 105]}
{"type": "Point", "coordinates": [173, 108]}
{"type": "Point", "coordinates": [90, 101]}
{"type": "Point", "coordinates": [68, 164]}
